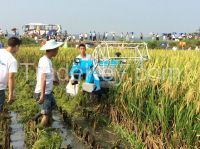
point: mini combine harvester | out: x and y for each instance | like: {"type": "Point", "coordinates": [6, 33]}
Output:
{"type": "Point", "coordinates": [107, 66]}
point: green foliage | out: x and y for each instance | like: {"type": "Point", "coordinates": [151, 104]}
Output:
{"type": "Point", "coordinates": [28, 41]}
{"type": "Point", "coordinates": [130, 137]}
{"type": "Point", "coordinates": [157, 111]}
{"type": "Point", "coordinates": [47, 140]}
{"type": "Point", "coordinates": [154, 44]}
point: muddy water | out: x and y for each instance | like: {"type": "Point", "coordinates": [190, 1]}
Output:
{"type": "Point", "coordinates": [17, 135]}
{"type": "Point", "coordinates": [4, 130]}
{"type": "Point", "coordinates": [69, 139]}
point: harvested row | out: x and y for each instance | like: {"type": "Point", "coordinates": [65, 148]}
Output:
{"type": "Point", "coordinates": [4, 130]}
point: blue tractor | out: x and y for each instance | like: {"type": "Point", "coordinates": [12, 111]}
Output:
{"type": "Point", "coordinates": [107, 67]}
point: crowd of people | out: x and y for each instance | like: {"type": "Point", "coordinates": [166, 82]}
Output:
{"type": "Point", "coordinates": [105, 36]}
{"type": "Point", "coordinates": [174, 36]}
{"type": "Point", "coordinates": [123, 36]}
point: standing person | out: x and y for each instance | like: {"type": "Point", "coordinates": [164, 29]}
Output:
{"type": "Point", "coordinates": [94, 36]}
{"type": "Point", "coordinates": [113, 36]}
{"type": "Point", "coordinates": [122, 36]}
{"type": "Point", "coordinates": [132, 35]}
{"type": "Point", "coordinates": [153, 36]}
{"type": "Point", "coordinates": [90, 36]}
{"type": "Point", "coordinates": [8, 68]}
{"type": "Point", "coordinates": [74, 38]}
{"type": "Point", "coordinates": [86, 36]}
{"type": "Point", "coordinates": [99, 36]}
{"type": "Point", "coordinates": [164, 37]}
{"type": "Point", "coordinates": [173, 37]}
{"type": "Point", "coordinates": [157, 37]}
{"type": "Point", "coordinates": [127, 36]}
{"type": "Point", "coordinates": [36, 39]}
{"type": "Point", "coordinates": [6, 34]}
{"type": "Point", "coordinates": [106, 36]}
{"type": "Point", "coordinates": [45, 80]}
{"type": "Point", "coordinates": [141, 36]}
{"type": "Point", "coordinates": [81, 36]}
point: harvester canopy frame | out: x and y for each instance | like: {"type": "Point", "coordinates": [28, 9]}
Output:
{"type": "Point", "coordinates": [109, 54]}
{"type": "Point", "coordinates": [128, 51]}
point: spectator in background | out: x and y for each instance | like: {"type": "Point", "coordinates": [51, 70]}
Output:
{"type": "Point", "coordinates": [127, 36]}
{"type": "Point", "coordinates": [81, 37]}
{"type": "Point", "coordinates": [164, 37]}
{"type": "Point", "coordinates": [113, 36]}
{"type": "Point", "coordinates": [122, 36]}
{"type": "Point", "coordinates": [132, 35]}
{"type": "Point", "coordinates": [99, 36]}
{"type": "Point", "coordinates": [153, 36]}
{"type": "Point", "coordinates": [106, 36]}
{"type": "Point", "coordinates": [173, 37]}
{"type": "Point", "coordinates": [141, 36]}
{"type": "Point", "coordinates": [90, 36]}
{"type": "Point", "coordinates": [94, 36]}
{"type": "Point", "coordinates": [36, 39]}
{"type": "Point", "coordinates": [86, 36]}
{"type": "Point", "coordinates": [157, 37]}
{"type": "Point", "coordinates": [6, 34]}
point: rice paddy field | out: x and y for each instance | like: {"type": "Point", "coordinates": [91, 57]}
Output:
{"type": "Point", "coordinates": [156, 106]}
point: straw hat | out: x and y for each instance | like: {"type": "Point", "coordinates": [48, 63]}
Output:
{"type": "Point", "coordinates": [51, 44]}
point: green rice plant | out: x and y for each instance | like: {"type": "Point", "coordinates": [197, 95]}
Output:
{"type": "Point", "coordinates": [161, 110]}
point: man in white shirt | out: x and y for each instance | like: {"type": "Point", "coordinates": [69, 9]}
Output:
{"type": "Point", "coordinates": [8, 68]}
{"type": "Point", "coordinates": [45, 80]}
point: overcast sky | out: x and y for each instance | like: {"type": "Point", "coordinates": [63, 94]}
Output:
{"type": "Point", "coordinates": [104, 15]}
